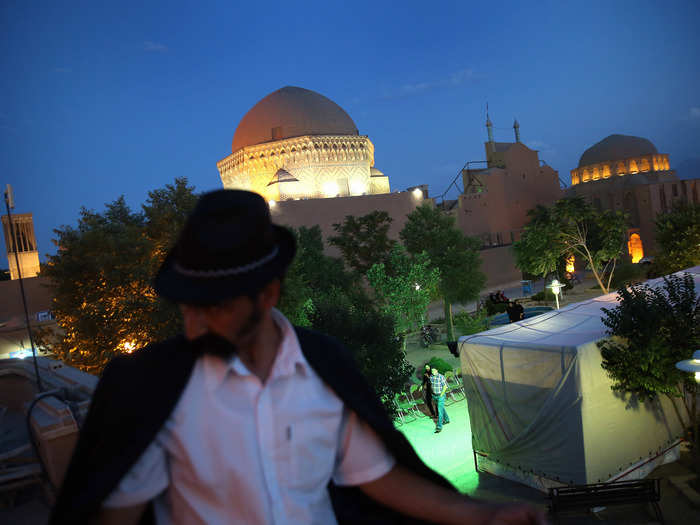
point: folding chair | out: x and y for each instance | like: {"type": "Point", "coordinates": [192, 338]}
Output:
{"type": "Point", "coordinates": [454, 390]}
{"type": "Point", "coordinates": [418, 401]}
{"type": "Point", "coordinates": [407, 410]}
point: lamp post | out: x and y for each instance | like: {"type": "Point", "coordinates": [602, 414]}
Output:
{"type": "Point", "coordinates": [10, 204]}
{"type": "Point", "coordinates": [693, 365]}
{"type": "Point", "coordinates": [556, 287]}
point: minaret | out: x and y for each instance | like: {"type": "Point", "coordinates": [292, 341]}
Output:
{"type": "Point", "coordinates": [516, 127]}
{"type": "Point", "coordinates": [489, 125]}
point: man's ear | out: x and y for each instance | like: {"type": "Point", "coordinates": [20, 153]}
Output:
{"type": "Point", "coordinates": [270, 294]}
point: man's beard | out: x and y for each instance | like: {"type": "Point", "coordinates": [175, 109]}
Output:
{"type": "Point", "coordinates": [213, 344]}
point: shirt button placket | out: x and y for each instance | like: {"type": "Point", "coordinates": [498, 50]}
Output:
{"type": "Point", "coordinates": [266, 437]}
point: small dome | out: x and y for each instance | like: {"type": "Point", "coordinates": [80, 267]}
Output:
{"type": "Point", "coordinates": [617, 147]}
{"type": "Point", "coordinates": [291, 112]}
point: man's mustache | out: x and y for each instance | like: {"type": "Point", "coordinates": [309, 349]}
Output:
{"type": "Point", "coordinates": [212, 344]}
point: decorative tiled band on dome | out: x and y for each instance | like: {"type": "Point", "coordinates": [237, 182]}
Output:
{"type": "Point", "coordinates": [619, 155]}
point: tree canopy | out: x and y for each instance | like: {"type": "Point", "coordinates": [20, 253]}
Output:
{"type": "Point", "coordinates": [405, 291]}
{"type": "Point", "coordinates": [572, 226]}
{"type": "Point", "coordinates": [101, 278]}
{"type": "Point", "coordinates": [455, 255]}
{"type": "Point", "coordinates": [363, 241]}
{"type": "Point", "coordinates": [678, 238]}
{"type": "Point", "coordinates": [315, 278]}
{"type": "Point", "coordinates": [319, 292]}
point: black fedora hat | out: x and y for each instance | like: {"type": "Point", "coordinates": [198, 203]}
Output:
{"type": "Point", "coordinates": [227, 248]}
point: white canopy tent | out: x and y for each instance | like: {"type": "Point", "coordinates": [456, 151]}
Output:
{"type": "Point", "coordinates": [541, 409]}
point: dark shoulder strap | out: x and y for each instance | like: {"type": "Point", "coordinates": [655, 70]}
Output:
{"type": "Point", "coordinates": [132, 401]}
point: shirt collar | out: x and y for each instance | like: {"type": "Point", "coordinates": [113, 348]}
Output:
{"type": "Point", "coordinates": [289, 359]}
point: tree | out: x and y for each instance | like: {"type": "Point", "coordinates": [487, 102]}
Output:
{"type": "Point", "coordinates": [369, 334]}
{"type": "Point", "coordinates": [313, 277]}
{"type": "Point", "coordinates": [651, 330]}
{"type": "Point", "coordinates": [101, 278]}
{"type": "Point", "coordinates": [572, 226]}
{"type": "Point", "coordinates": [455, 255]}
{"type": "Point", "coordinates": [319, 292]}
{"type": "Point", "coordinates": [404, 293]}
{"type": "Point", "coordinates": [363, 241]}
{"type": "Point", "coordinates": [678, 238]}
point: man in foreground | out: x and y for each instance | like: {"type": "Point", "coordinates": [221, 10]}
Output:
{"type": "Point", "coordinates": [245, 418]}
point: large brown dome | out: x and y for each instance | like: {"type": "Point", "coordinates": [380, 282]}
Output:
{"type": "Point", "coordinates": [617, 147]}
{"type": "Point", "coordinates": [291, 112]}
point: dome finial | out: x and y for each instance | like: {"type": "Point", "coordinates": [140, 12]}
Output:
{"type": "Point", "coordinates": [516, 127]}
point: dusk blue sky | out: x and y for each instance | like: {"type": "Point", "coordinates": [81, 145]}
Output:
{"type": "Point", "coordinates": [104, 99]}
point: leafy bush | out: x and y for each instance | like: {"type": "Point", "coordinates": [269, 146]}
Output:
{"type": "Point", "coordinates": [467, 324]}
{"type": "Point", "coordinates": [493, 307]}
{"type": "Point", "coordinates": [369, 335]}
{"type": "Point", "coordinates": [441, 365]}
{"type": "Point", "coordinates": [545, 295]}
{"type": "Point", "coordinates": [652, 329]}
{"type": "Point", "coordinates": [628, 273]}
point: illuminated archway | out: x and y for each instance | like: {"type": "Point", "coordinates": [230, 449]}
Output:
{"type": "Point", "coordinates": [570, 264]}
{"type": "Point", "coordinates": [635, 248]}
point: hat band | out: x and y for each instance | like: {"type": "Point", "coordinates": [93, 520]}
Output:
{"type": "Point", "coordinates": [226, 272]}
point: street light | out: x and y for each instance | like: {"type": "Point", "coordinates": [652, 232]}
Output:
{"type": "Point", "coordinates": [691, 365]}
{"type": "Point", "coordinates": [556, 287]}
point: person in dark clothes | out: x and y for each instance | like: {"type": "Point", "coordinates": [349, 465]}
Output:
{"type": "Point", "coordinates": [245, 418]}
{"type": "Point", "coordinates": [427, 389]}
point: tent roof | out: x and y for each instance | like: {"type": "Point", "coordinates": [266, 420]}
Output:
{"type": "Point", "coordinates": [571, 327]}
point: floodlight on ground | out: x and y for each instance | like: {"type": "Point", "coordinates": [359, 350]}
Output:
{"type": "Point", "coordinates": [691, 365]}
{"type": "Point", "coordinates": [556, 287]}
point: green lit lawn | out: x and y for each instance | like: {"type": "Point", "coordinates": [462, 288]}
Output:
{"type": "Point", "coordinates": [450, 451]}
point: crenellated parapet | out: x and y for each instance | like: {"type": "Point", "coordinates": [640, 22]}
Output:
{"type": "Point", "coordinates": [628, 166]}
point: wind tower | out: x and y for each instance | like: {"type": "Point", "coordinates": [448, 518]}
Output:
{"type": "Point", "coordinates": [23, 245]}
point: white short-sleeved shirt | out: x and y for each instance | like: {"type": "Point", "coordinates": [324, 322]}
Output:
{"type": "Point", "coordinates": [235, 450]}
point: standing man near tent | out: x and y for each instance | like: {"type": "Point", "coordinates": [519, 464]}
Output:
{"type": "Point", "coordinates": [428, 391]}
{"type": "Point", "coordinates": [439, 386]}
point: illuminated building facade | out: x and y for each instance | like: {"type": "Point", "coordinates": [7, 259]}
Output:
{"type": "Point", "coordinates": [303, 153]}
{"type": "Point", "coordinates": [626, 173]}
{"type": "Point", "coordinates": [494, 204]}
{"type": "Point", "coordinates": [298, 144]}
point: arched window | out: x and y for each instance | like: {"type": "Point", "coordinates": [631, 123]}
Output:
{"type": "Point", "coordinates": [635, 248]}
